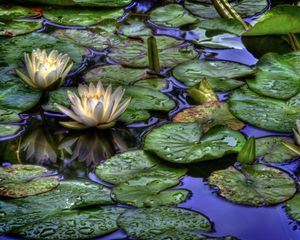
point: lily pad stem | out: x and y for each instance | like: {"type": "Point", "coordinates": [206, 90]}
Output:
{"type": "Point", "coordinates": [294, 42]}
{"type": "Point", "coordinates": [153, 56]}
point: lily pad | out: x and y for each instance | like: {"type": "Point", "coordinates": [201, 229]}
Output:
{"type": "Point", "coordinates": [255, 185]}
{"type": "Point", "coordinates": [136, 164]}
{"type": "Point", "coordinates": [133, 52]}
{"type": "Point", "coordinates": [8, 129]}
{"type": "Point", "coordinates": [15, 28]}
{"type": "Point", "coordinates": [148, 192]}
{"type": "Point", "coordinates": [263, 112]}
{"type": "Point", "coordinates": [12, 50]}
{"type": "Point", "coordinates": [271, 149]}
{"type": "Point", "coordinates": [172, 15]}
{"type": "Point", "coordinates": [68, 195]}
{"type": "Point", "coordinates": [244, 8]}
{"type": "Point", "coordinates": [80, 16]}
{"type": "Point", "coordinates": [11, 12]}
{"type": "Point", "coordinates": [25, 180]}
{"type": "Point", "coordinates": [84, 3]}
{"type": "Point", "coordinates": [87, 38]}
{"type": "Point", "coordinates": [135, 28]}
{"type": "Point", "coordinates": [221, 75]}
{"type": "Point", "coordinates": [209, 115]}
{"type": "Point", "coordinates": [278, 20]}
{"type": "Point", "coordinates": [185, 143]}
{"type": "Point", "coordinates": [9, 116]}
{"type": "Point", "coordinates": [74, 224]}
{"type": "Point", "coordinates": [278, 76]}
{"type": "Point", "coordinates": [293, 207]}
{"type": "Point", "coordinates": [148, 222]}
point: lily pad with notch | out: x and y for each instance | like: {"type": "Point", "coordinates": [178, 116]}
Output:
{"type": "Point", "coordinates": [25, 180]}
{"type": "Point", "coordinates": [221, 75]}
{"type": "Point", "coordinates": [147, 223]}
{"type": "Point", "coordinates": [264, 112]}
{"type": "Point", "coordinates": [185, 142]}
{"type": "Point", "coordinates": [254, 185]}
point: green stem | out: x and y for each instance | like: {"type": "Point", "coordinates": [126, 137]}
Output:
{"type": "Point", "coordinates": [247, 154]}
{"type": "Point", "coordinates": [294, 42]}
{"type": "Point", "coordinates": [153, 56]}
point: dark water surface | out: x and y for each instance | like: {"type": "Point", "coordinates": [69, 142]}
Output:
{"type": "Point", "coordinates": [246, 223]}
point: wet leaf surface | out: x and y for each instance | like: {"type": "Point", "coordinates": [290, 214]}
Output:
{"type": "Point", "coordinates": [185, 142]}
{"type": "Point", "coordinates": [278, 76]}
{"type": "Point", "coordinates": [149, 222]}
{"type": "Point", "coordinates": [255, 185]}
{"type": "Point", "coordinates": [209, 115]}
{"type": "Point", "coordinates": [271, 149]}
{"type": "Point", "coordinates": [293, 207]}
{"type": "Point", "coordinates": [13, 12]}
{"type": "Point", "coordinates": [8, 130]}
{"type": "Point", "coordinates": [221, 75]}
{"type": "Point", "coordinates": [263, 112]}
{"type": "Point", "coordinates": [25, 180]}
{"type": "Point", "coordinates": [15, 28]}
{"type": "Point", "coordinates": [80, 16]}
{"type": "Point", "coordinates": [135, 28]}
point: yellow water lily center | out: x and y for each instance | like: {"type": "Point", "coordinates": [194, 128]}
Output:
{"type": "Point", "coordinates": [45, 71]}
{"type": "Point", "coordinates": [94, 107]}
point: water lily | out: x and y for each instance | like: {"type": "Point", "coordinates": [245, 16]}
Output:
{"type": "Point", "coordinates": [94, 107]}
{"type": "Point", "coordinates": [45, 71]}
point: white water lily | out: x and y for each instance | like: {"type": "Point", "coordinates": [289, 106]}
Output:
{"type": "Point", "coordinates": [45, 71]}
{"type": "Point", "coordinates": [94, 107]}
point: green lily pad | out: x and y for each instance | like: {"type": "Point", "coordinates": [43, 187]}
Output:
{"type": "Point", "coordinates": [172, 15]}
{"type": "Point", "coordinates": [148, 222]}
{"type": "Point", "coordinates": [68, 195]}
{"type": "Point", "coordinates": [8, 129]}
{"type": "Point", "coordinates": [135, 28]}
{"type": "Point", "coordinates": [10, 12]}
{"type": "Point", "coordinates": [278, 76]}
{"type": "Point", "coordinates": [209, 115]}
{"type": "Point", "coordinates": [221, 75]}
{"type": "Point", "coordinates": [148, 192]}
{"type": "Point", "coordinates": [278, 20]}
{"type": "Point", "coordinates": [87, 38]}
{"type": "Point", "coordinates": [133, 52]}
{"type": "Point", "coordinates": [244, 8]}
{"type": "Point", "coordinates": [263, 112]}
{"type": "Point", "coordinates": [19, 27]}
{"type": "Point", "coordinates": [11, 50]}
{"type": "Point", "coordinates": [74, 224]}
{"type": "Point", "coordinates": [272, 150]}
{"type": "Point", "coordinates": [255, 185]}
{"type": "Point", "coordinates": [185, 143]}
{"type": "Point", "coordinates": [80, 16]}
{"type": "Point", "coordinates": [136, 164]}
{"type": "Point", "coordinates": [293, 207]}
{"type": "Point", "coordinates": [134, 115]}
{"type": "Point", "coordinates": [9, 116]}
{"type": "Point", "coordinates": [25, 180]}
{"type": "Point", "coordinates": [84, 3]}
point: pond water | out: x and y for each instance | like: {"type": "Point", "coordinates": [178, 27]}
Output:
{"type": "Point", "coordinates": [229, 219]}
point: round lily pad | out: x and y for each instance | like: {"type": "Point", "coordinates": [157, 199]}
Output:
{"type": "Point", "coordinates": [11, 12]}
{"type": "Point", "coordinates": [84, 3]}
{"type": "Point", "coordinates": [12, 50]}
{"type": "Point", "coordinates": [255, 185]}
{"type": "Point", "coordinates": [68, 195]}
{"type": "Point", "coordinates": [133, 52]}
{"type": "Point", "coordinates": [293, 207]}
{"type": "Point", "coordinates": [144, 223]}
{"type": "Point", "coordinates": [185, 143]}
{"type": "Point", "coordinates": [278, 20]}
{"type": "Point", "coordinates": [8, 129]}
{"type": "Point", "coordinates": [263, 112]}
{"type": "Point", "coordinates": [271, 149]}
{"type": "Point", "coordinates": [148, 192]}
{"type": "Point", "coordinates": [209, 115]}
{"type": "Point", "coordinates": [15, 28]}
{"type": "Point", "coordinates": [278, 76]}
{"type": "Point", "coordinates": [80, 16]}
{"type": "Point", "coordinates": [74, 224]}
{"type": "Point", "coordinates": [172, 15]}
{"type": "Point", "coordinates": [244, 8]}
{"type": "Point", "coordinates": [221, 75]}
{"type": "Point", "coordinates": [135, 164]}
{"type": "Point", "coordinates": [25, 180]}
{"type": "Point", "coordinates": [135, 28]}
